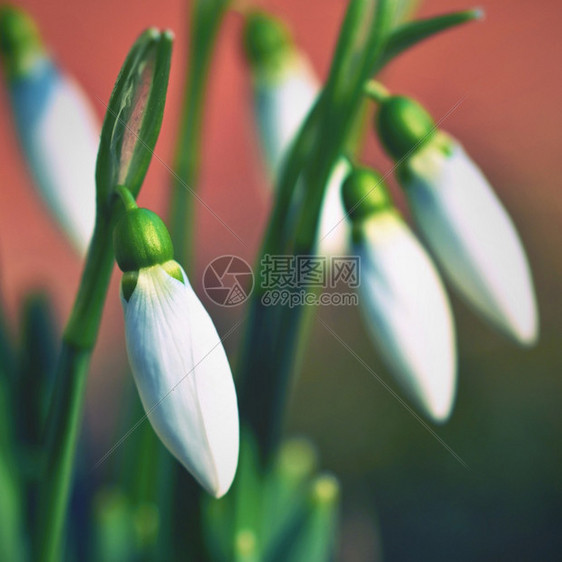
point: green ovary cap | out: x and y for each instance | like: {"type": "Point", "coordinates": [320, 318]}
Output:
{"type": "Point", "coordinates": [20, 42]}
{"type": "Point", "coordinates": [403, 126]}
{"type": "Point", "coordinates": [365, 193]}
{"type": "Point", "coordinates": [266, 39]}
{"type": "Point", "coordinates": [140, 240]}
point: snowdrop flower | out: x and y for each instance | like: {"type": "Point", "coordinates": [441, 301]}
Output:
{"type": "Point", "coordinates": [177, 358]}
{"type": "Point", "coordinates": [403, 300]}
{"type": "Point", "coordinates": [463, 221]}
{"type": "Point", "coordinates": [58, 129]}
{"type": "Point", "coordinates": [285, 89]}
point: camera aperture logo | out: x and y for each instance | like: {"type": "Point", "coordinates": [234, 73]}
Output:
{"type": "Point", "coordinates": [228, 280]}
{"type": "Point", "coordinates": [285, 280]}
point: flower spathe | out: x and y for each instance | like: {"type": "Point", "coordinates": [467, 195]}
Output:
{"type": "Point", "coordinates": [408, 313]}
{"type": "Point", "coordinates": [57, 127]}
{"type": "Point", "coordinates": [472, 236]}
{"type": "Point", "coordinates": [177, 358]}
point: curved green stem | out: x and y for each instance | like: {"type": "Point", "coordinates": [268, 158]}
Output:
{"type": "Point", "coordinates": [82, 328]}
{"type": "Point", "coordinates": [126, 197]}
{"type": "Point", "coordinates": [65, 415]}
{"type": "Point", "coordinates": [376, 91]}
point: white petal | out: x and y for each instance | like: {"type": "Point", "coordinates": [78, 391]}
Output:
{"type": "Point", "coordinates": [183, 377]}
{"type": "Point", "coordinates": [282, 107]}
{"type": "Point", "coordinates": [408, 314]}
{"type": "Point", "coordinates": [334, 229]}
{"type": "Point", "coordinates": [474, 239]}
{"type": "Point", "coordinates": [60, 135]}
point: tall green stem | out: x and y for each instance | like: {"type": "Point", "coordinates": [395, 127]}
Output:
{"type": "Point", "coordinates": [7, 356]}
{"type": "Point", "coordinates": [206, 19]}
{"type": "Point", "coordinates": [65, 415]}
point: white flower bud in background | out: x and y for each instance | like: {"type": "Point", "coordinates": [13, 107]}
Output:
{"type": "Point", "coordinates": [403, 300]}
{"type": "Point", "coordinates": [285, 90]}
{"type": "Point", "coordinates": [333, 229]}
{"type": "Point", "coordinates": [56, 124]}
{"type": "Point", "coordinates": [282, 104]}
{"type": "Point", "coordinates": [462, 219]}
{"type": "Point", "coordinates": [177, 358]}
{"type": "Point", "coordinates": [284, 83]}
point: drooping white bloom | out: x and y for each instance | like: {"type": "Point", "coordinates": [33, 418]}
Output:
{"type": "Point", "coordinates": [285, 89]}
{"type": "Point", "coordinates": [472, 236]}
{"type": "Point", "coordinates": [57, 127]}
{"type": "Point", "coordinates": [462, 219]}
{"type": "Point", "coordinates": [282, 104]}
{"type": "Point", "coordinates": [59, 133]}
{"type": "Point", "coordinates": [408, 313]}
{"type": "Point", "coordinates": [183, 376]}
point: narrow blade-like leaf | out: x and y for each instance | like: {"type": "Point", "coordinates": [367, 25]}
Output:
{"type": "Point", "coordinates": [134, 115]}
{"type": "Point", "coordinates": [409, 34]}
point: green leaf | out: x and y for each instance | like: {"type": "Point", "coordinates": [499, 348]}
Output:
{"type": "Point", "coordinates": [7, 354]}
{"type": "Point", "coordinates": [316, 538]}
{"type": "Point", "coordinates": [38, 355]}
{"type": "Point", "coordinates": [409, 34]}
{"type": "Point", "coordinates": [114, 527]}
{"type": "Point", "coordinates": [403, 10]}
{"type": "Point", "coordinates": [11, 547]}
{"type": "Point", "coordinates": [134, 116]}
{"type": "Point", "coordinates": [247, 492]}
{"type": "Point", "coordinates": [284, 492]}
{"type": "Point", "coordinates": [232, 522]}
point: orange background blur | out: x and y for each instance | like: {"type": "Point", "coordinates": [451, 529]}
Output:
{"type": "Point", "coordinates": [506, 70]}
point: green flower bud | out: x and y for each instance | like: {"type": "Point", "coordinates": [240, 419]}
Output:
{"type": "Point", "coordinates": [140, 240]}
{"type": "Point", "coordinates": [20, 42]}
{"type": "Point", "coordinates": [325, 489]}
{"type": "Point", "coordinates": [403, 126]}
{"type": "Point", "coordinates": [245, 544]}
{"type": "Point", "coordinates": [266, 40]}
{"type": "Point", "coordinates": [365, 193]}
{"type": "Point", "coordinates": [297, 460]}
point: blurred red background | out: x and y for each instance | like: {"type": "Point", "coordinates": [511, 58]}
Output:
{"type": "Point", "coordinates": [506, 70]}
